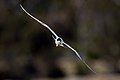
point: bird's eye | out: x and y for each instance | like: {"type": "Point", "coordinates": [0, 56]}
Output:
{"type": "Point", "coordinates": [59, 39]}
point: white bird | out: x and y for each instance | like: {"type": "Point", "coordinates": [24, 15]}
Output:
{"type": "Point", "coordinates": [58, 40]}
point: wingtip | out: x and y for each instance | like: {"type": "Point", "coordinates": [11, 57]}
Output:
{"type": "Point", "coordinates": [94, 72]}
{"type": "Point", "coordinates": [20, 5]}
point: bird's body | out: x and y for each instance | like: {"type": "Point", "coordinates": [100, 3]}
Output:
{"type": "Point", "coordinates": [58, 41]}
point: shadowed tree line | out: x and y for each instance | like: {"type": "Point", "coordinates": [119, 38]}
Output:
{"type": "Point", "coordinates": [90, 26]}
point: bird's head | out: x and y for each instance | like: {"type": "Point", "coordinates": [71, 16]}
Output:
{"type": "Point", "coordinates": [59, 42]}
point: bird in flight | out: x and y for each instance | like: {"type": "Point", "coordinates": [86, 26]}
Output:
{"type": "Point", "coordinates": [58, 40]}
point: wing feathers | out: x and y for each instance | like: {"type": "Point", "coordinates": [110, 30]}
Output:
{"type": "Point", "coordinates": [79, 56]}
{"type": "Point", "coordinates": [56, 37]}
{"type": "Point", "coordinates": [39, 22]}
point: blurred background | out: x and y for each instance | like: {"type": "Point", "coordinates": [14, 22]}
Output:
{"type": "Point", "coordinates": [27, 50]}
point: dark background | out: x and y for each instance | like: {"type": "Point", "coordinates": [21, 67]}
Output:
{"type": "Point", "coordinates": [27, 49]}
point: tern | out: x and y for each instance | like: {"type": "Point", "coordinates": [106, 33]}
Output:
{"type": "Point", "coordinates": [58, 40]}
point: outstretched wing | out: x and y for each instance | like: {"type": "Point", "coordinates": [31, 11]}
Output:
{"type": "Point", "coordinates": [56, 36]}
{"type": "Point", "coordinates": [78, 56]}
{"type": "Point", "coordinates": [39, 22]}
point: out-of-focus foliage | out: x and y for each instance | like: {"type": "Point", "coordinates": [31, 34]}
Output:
{"type": "Point", "coordinates": [28, 50]}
